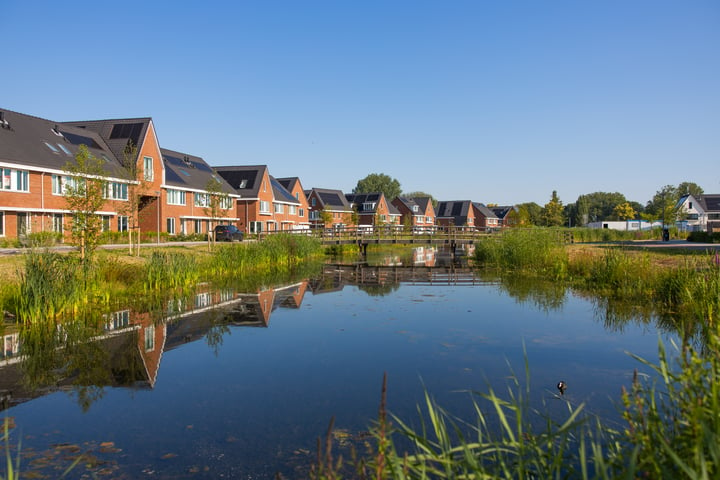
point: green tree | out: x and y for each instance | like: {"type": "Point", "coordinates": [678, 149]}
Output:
{"type": "Point", "coordinates": [379, 182]}
{"type": "Point", "coordinates": [84, 197]}
{"type": "Point", "coordinates": [624, 211]}
{"type": "Point", "coordinates": [528, 214]}
{"type": "Point", "coordinates": [582, 211]}
{"type": "Point", "coordinates": [552, 212]}
{"type": "Point", "coordinates": [217, 204]}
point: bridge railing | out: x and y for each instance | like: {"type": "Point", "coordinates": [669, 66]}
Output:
{"type": "Point", "coordinates": [397, 232]}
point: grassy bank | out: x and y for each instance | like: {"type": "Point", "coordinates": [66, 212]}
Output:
{"type": "Point", "coordinates": [46, 285]}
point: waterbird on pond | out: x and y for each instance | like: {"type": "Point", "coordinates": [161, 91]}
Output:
{"type": "Point", "coordinates": [561, 386]}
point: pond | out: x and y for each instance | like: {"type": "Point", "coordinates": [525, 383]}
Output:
{"type": "Point", "coordinates": [242, 384]}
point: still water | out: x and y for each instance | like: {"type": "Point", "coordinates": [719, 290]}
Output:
{"type": "Point", "coordinates": [244, 389]}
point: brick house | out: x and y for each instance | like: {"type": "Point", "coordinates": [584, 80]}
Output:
{"type": "Point", "coordinates": [416, 212]}
{"type": "Point", "coordinates": [34, 153]}
{"type": "Point", "coordinates": [301, 221]}
{"type": "Point", "coordinates": [373, 209]}
{"type": "Point", "coordinates": [329, 209]}
{"type": "Point", "coordinates": [485, 219]}
{"type": "Point", "coordinates": [264, 205]}
{"type": "Point", "coordinates": [456, 213]}
{"type": "Point", "coordinates": [186, 204]}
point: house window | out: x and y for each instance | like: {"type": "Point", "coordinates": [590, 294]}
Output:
{"type": "Point", "coordinates": [2, 224]}
{"type": "Point", "coordinates": [226, 203]}
{"type": "Point", "coordinates": [690, 205]}
{"type": "Point", "coordinates": [171, 225]}
{"type": "Point", "coordinates": [292, 210]}
{"type": "Point", "coordinates": [198, 226]}
{"type": "Point", "coordinates": [57, 185]}
{"type": "Point", "coordinates": [278, 207]}
{"type": "Point", "coordinates": [106, 223]}
{"type": "Point", "coordinates": [64, 149]}
{"type": "Point", "coordinates": [15, 180]}
{"type": "Point", "coordinates": [57, 222]}
{"type": "Point", "coordinates": [202, 200]}
{"type": "Point", "coordinates": [264, 206]}
{"type": "Point", "coordinates": [150, 338]}
{"type": "Point", "coordinates": [148, 172]}
{"type": "Point", "coordinates": [122, 223]}
{"type": "Point", "coordinates": [118, 320]}
{"type": "Point", "coordinates": [314, 215]}
{"type": "Point", "coordinates": [255, 227]}
{"type": "Point", "coordinates": [175, 197]}
{"type": "Point", "coordinates": [312, 202]}
{"type": "Point", "coordinates": [428, 220]}
{"type": "Point", "coordinates": [301, 212]}
{"type": "Point", "coordinates": [202, 300]}
{"type": "Point", "coordinates": [116, 191]}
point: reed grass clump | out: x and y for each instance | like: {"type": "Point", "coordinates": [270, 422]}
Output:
{"type": "Point", "coordinates": [538, 251]}
{"type": "Point", "coordinates": [170, 270]}
{"type": "Point", "coordinates": [279, 251]}
{"type": "Point", "coordinates": [50, 284]}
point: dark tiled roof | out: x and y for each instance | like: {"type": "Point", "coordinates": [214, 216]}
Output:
{"type": "Point", "coordinates": [188, 171]}
{"type": "Point", "coordinates": [502, 211]}
{"type": "Point", "coordinates": [117, 132]}
{"type": "Point", "coordinates": [244, 179]}
{"type": "Point", "coordinates": [709, 203]}
{"type": "Point", "coordinates": [485, 211]}
{"type": "Point", "coordinates": [36, 142]}
{"type": "Point", "coordinates": [281, 194]}
{"type": "Point", "coordinates": [361, 200]}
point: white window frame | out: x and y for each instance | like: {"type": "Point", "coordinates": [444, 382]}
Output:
{"type": "Point", "coordinates": [122, 223]}
{"type": "Point", "coordinates": [226, 203]}
{"type": "Point", "coordinates": [171, 225]}
{"type": "Point", "coordinates": [175, 197]}
{"type": "Point", "coordinates": [15, 180]}
{"type": "Point", "coordinates": [150, 338]}
{"type": "Point", "coordinates": [292, 209]}
{"type": "Point", "coordinates": [279, 208]}
{"type": "Point", "coordinates": [148, 173]}
{"type": "Point", "coordinates": [198, 223]}
{"type": "Point", "coordinates": [116, 191]}
{"type": "Point", "coordinates": [201, 199]}
{"type": "Point", "coordinates": [264, 206]}
{"type": "Point", "coordinates": [57, 222]}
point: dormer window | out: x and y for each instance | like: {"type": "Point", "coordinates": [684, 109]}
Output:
{"type": "Point", "coordinates": [243, 183]}
{"type": "Point", "coordinates": [416, 208]}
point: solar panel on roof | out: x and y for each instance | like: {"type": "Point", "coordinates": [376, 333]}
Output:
{"type": "Point", "coordinates": [127, 130]}
{"type": "Point", "coordinates": [457, 209]}
{"type": "Point", "coordinates": [172, 177]}
{"type": "Point", "coordinates": [202, 166]}
{"type": "Point", "coordinates": [330, 198]}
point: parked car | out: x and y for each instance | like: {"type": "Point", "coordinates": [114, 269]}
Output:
{"type": "Point", "coordinates": [228, 233]}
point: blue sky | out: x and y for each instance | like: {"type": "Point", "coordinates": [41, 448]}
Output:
{"type": "Point", "coordinates": [492, 101]}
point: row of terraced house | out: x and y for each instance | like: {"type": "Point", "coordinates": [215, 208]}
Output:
{"type": "Point", "coordinates": [176, 187]}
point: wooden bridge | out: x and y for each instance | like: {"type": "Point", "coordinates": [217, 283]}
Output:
{"type": "Point", "coordinates": [398, 235]}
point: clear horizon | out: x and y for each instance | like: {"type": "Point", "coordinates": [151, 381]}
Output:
{"type": "Point", "coordinates": [495, 102]}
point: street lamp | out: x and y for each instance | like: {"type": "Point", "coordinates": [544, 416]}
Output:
{"type": "Point", "coordinates": [159, 194]}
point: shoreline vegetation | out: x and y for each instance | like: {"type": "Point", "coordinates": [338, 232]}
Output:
{"type": "Point", "coordinates": [672, 424]}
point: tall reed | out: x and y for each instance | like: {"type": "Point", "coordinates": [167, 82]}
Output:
{"type": "Point", "coordinates": [50, 284]}
{"type": "Point", "coordinates": [170, 270]}
{"type": "Point", "coordinates": [538, 251]}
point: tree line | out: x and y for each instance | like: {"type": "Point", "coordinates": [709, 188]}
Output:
{"type": "Point", "coordinates": [590, 207]}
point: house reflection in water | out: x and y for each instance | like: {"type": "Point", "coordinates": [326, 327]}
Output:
{"type": "Point", "coordinates": [132, 343]}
